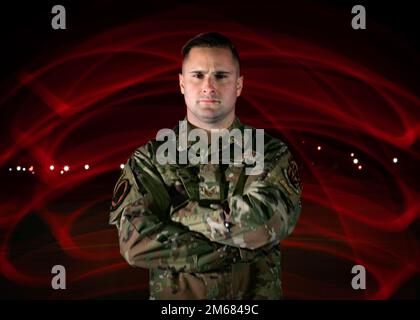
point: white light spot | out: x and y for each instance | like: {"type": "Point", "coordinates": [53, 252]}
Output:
{"type": "Point", "coordinates": [359, 167]}
{"type": "Point", "coordinates": [51, 167]}
{"type": "Point", "coordinates": [395, 160]}
{"type": "Point", "coordinates": [10, 169]}
{"type": "Point", "coordinates": [352, 154]}
{"type": "Point", "coordinates": [31, 168]}
{"type": "Point", "coordinates": [355, 161]}
{"type": "Point", "coordinates": [319, 148]}
{"type": "Point", "coordinates": [87, 167]}
{"type": "Point", "coordinates": [18, 168]}
{"type": "Point", "coordinates": [61, 172]}
{"type": "Point", "coordinates": [66, 168]}
{"type": "Point", "coordinates": [122, 166]}
{"type": "Point", "coordinates": [23, 169]}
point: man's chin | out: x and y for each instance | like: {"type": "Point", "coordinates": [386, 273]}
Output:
{"type": "Point", "coordinates": [210, 115]}
{"type": "Point", "coordinates": [208, 110]}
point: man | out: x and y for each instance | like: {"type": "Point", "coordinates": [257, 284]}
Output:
{"type": "Point", "coordinates": [208, 230]}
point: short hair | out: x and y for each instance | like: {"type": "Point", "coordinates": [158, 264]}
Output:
{"type": "Point", "coordinates": [211, 40]}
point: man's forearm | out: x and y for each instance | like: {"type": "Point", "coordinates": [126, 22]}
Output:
{"type": "Point", "coordinates": [149, 243]}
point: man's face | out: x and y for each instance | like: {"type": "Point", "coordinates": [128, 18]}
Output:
{"type": "Point", "coordinates": [210, 84]}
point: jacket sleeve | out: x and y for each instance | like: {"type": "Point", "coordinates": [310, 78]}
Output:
{"type": "Point", "coordinates": [149, 240]}
{"type": "Point", "coordinates": [264, 212]}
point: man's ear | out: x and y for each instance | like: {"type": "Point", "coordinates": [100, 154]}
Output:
{"type": "Point", "coordinates": [181, 83]}
{"type": "Point", "coordinates": [239, 85]}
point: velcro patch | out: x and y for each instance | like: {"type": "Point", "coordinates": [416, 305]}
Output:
{"type": "Point", "coordinates": [293, 174]}
{"type": "Point", "coordinates": [121, 191]}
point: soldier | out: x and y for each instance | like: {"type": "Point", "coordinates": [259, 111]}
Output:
{"type": "Point", "coordinates": [208, 231]}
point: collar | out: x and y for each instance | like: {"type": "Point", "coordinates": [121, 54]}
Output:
{"type": "Point", "coordinates": [236, 124]}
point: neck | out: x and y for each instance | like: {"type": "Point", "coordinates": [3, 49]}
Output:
{"type": "Point", "coordinates": [224, 123]}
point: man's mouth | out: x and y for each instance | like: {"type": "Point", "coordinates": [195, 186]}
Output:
{"type": "Point", "coordinates": [208, 100]}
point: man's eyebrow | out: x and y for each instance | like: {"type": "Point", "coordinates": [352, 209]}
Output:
{"type": "Point", "coordinates": [222, 72]}
{"type": "Point", "coordinates": [215, 72]}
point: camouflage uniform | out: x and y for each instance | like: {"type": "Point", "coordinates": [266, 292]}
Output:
{"type": "Point", "coordinates": [207, 231]}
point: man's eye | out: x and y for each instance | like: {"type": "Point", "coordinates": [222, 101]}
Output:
{"type": "Point", "coordinates": [198, 75]}
{"type": "Point", "coordinates": [220, 76]}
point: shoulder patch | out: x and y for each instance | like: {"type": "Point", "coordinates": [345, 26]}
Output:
{"type": "Point", "coordinates": [293, 174]}
{"type": "Point", "coordinates": [121, 191]}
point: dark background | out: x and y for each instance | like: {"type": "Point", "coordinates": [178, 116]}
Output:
{"type": "Point", "coordinates": [94, 92]}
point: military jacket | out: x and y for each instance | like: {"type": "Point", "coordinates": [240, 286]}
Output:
{"type": "Point", "coordinates": [207, 231]}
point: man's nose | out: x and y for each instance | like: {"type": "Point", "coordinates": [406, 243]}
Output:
{"type": "Point", "coordinates": [208, 86]}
